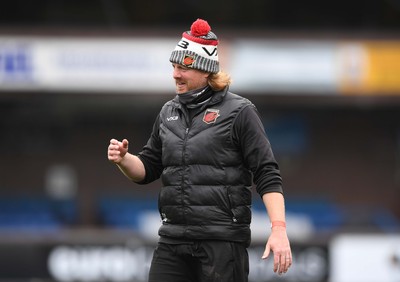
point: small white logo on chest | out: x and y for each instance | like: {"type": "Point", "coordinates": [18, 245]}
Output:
{"type": "Point", "coordinates": [172, 118]}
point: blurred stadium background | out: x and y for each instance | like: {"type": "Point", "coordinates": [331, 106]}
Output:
{"type": "Point", "coordinates": [325, 76]}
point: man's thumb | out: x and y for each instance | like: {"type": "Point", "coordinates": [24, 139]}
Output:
{"type": "Point", "coordinates": [266, 252]}
{"type": "Point", "coordinates": [125, 143]}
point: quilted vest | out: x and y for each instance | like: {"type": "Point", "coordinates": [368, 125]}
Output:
{"type": "Point", "coordinates": [206, 191]}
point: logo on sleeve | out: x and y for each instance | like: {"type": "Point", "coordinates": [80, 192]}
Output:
{"type": "Point", "coordinates": [210, 116]}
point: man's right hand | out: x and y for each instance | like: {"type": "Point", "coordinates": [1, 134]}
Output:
{"type": "Point", "coordinates": [117, 150]}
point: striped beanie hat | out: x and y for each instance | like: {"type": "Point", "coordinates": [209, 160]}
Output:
{"type": "Point", "coordinates": [198, 48]}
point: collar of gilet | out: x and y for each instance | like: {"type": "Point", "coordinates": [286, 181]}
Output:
{"type": "Point", "coordinates": [216, 96]}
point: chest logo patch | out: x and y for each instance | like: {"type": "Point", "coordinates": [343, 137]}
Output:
{"type": "Point", "coordinates": [210, 116]}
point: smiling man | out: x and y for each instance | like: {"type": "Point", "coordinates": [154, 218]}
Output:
{"type": "Point", "coordinates": [208, 145]}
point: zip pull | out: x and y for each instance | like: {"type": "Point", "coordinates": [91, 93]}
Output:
{"type": "Point", "coordinates": [187, 130]}
{"type": "Point", "coordinates": [164, 217]}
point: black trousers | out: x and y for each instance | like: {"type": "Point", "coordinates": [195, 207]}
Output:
{"type": "Point", "coordinates": [200, 261]}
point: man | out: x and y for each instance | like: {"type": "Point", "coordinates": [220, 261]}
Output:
{"type": "Point", "coordinates": [208, 145]}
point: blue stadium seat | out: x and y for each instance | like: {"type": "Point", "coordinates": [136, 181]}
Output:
{"type": "Point", "coordinates": [36, 212]}
{"type": "Point", "coordinates": [124, 212]}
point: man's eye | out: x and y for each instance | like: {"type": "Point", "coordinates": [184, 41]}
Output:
{"type": "Point", "coordinates": [182, 68]}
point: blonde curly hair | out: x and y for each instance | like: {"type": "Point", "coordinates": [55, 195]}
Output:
{"type": "Point", "coordinates": [219, 81]}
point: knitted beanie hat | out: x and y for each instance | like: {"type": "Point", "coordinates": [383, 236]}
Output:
{"type": "Point", "coordinates": [198, 48]}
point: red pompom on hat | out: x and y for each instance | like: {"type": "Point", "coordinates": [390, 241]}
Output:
{"type": "Point", "coordinates": [200, 32]}
{"type": "Point", "coordinates": [200, 28]}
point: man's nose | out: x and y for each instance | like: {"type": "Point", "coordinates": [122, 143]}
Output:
{"type": "Point", "coordinates": [176, 73]}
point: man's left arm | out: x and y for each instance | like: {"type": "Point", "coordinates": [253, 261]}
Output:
{"type": "Point", "coordinates": [250, 135]}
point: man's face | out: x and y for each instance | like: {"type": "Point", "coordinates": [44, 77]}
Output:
{"type": "Point", "coordinates": [187, 79]}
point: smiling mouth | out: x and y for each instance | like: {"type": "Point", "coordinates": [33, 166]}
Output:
{"type": "Point", "coordinates": [180, 87]}
{"type": "Point", "coordinates": [180, 84]}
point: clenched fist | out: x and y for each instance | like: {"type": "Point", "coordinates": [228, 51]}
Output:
{"type": "Point", "coordinates": [117, 150]}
